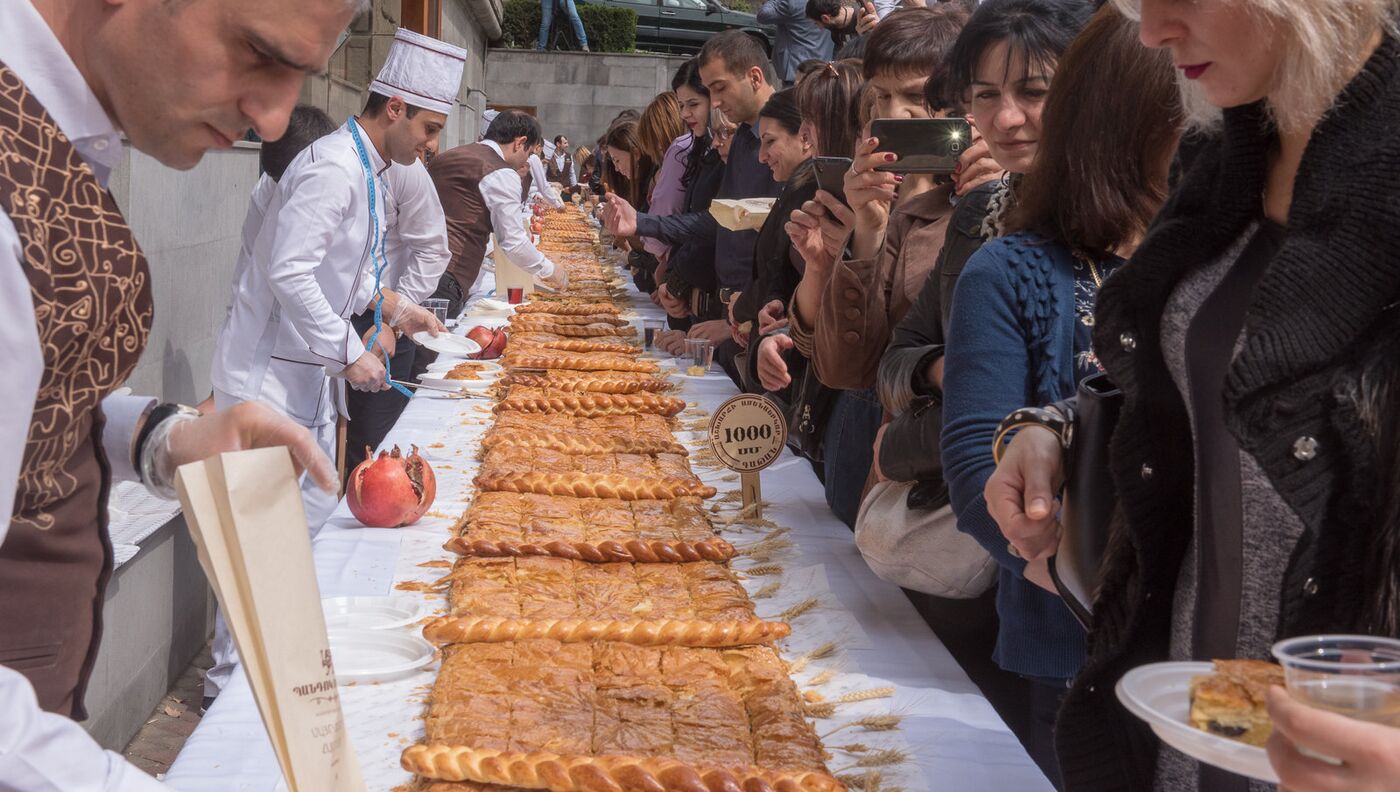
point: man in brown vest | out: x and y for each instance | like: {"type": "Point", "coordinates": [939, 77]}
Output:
{"type": "Point", "coordinates": [480, 189]}
{"type": "Point", "coordinates": [75, 291]}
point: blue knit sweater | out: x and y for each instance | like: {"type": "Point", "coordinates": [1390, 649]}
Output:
{"type": "Point", "coordinates": [1010, 344]}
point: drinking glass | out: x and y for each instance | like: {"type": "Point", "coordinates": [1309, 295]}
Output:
{"type": "Point", "coordinates": [649, 330]}
{"type": "Point", "coordinates": [515, 295]}
{"type": "Point", "coordinates": [1355, 675]}
{"type": "Point", "coordinates": [701, 353]}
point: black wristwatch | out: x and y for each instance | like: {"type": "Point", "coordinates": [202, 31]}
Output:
{"type": "Point", "coordinates": [726, 293]}
{"type": "Point", "coordinates": [1032, 416]}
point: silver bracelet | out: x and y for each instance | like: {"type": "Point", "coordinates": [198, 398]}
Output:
{"type": "Point", "coordinates": [157, 468]}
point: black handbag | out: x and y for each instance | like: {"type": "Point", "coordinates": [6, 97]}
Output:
{"type": "Point", "coordinates": [1089, 499]}
{"type": "Point", "coordinates": [806, 404]}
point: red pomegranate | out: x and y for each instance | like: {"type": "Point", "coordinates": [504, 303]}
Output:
{"type": "Point", "coordinates": [391, 490]}
{"type": "Point", "coordinates": [492, 341]}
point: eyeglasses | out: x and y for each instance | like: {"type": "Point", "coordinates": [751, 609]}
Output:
{"type": "Point", "coordinates": [724, 133]}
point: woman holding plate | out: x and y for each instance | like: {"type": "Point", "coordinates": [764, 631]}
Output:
{"type": "Point", "coordinates": [1253, 333]}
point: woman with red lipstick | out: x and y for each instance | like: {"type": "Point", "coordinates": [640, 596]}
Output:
{"type": "Point", "coordinates": [1253, 336]}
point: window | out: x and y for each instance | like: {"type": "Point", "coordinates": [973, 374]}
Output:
{"type": "Point", "coordinates": [422, 16]}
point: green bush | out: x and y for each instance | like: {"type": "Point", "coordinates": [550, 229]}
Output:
{"type": "Point", "coordinates": [609, 28]}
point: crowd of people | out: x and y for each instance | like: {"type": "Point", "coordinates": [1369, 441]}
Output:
{"type": "Point", "coordinates": [1188, 201]}
{"type": "Point", "coordinates": [1184, 200]}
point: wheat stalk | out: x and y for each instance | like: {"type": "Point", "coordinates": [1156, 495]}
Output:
{"type": "Point", "coordinates": [763, 569]}
{"type": "Point", "coordinates": [865, 695]}
{"type": "Point", "coordinates": [854, 748]}
{"type": "Point", "coordinates": [767, 591]}
{"type": "Point", "coordinates": [825, 650]}
{"type": "Point", "coordinates": [820, 711]}
{"type": "Point", "coordinates": [870, 723]}
{"type": "Point", "coordinates": [883, 758]}
{"type": "Point", "coordinates": [822, 678]}
{"type": "Point", "coordinates": [798, 609]}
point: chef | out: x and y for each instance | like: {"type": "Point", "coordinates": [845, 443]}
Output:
{"type": "Point", "coordinates": [289, 339]}
{"type": "Point", "coordinates": [75, 291]}
{"type": "Point", "coordinates": [479, 186]}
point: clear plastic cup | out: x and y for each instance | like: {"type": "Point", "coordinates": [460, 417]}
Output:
{"type": "Point", "coordinates": [439, 308]}
{"type": "Point", "coordinates": [649, 330]}
{"type": "Point", "coordinates": [700, 352]}
{"type": "Point", "coordinates": [1353, 675]}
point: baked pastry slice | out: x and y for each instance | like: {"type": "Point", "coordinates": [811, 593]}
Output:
{"type": "Point", "coordinates": [593, 485]}
{"type": "Point", "coordinates": [582, 443]}
{"type": "Point", "coordinates": [636, 550]}
{"type": "Point", "coordinates": [568, 309]}
{"type": "Point", "coordinates": [573, 330]}
{"type": "Point", "coordinates": [589, 405]}
{"type": "Point", "coordinates": [642, 632]}
{"type": "Point", "coordinates": [524, 319]}
{"type": "Point", "coordinates": [1232, 701]}
{"type": "Point", "coordinates": [566, 773]}
{"type": "Point", "coordinates": [578, 362]}
{"type": "Point", "coordinates": [605, 344]}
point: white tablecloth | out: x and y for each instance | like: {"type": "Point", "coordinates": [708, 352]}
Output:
{"type": "Point", "coordinates": [954, 738]}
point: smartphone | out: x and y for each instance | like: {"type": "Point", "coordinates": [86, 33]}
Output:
{"type": "Point", "coordinates": [924, 145]}
{"type": "Point", "coordinates": [831, 175]}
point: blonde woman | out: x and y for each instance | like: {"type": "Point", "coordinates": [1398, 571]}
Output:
{"type": "Point", "coordinates": [1253, 334]}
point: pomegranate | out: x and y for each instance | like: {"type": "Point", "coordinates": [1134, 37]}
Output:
{"type": "Point", "coordinates": [492, 341]}
{"type": "Point", "coordinates": [392, 490]}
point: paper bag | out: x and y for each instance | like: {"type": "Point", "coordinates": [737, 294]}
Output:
{"type": "Point", "coordinates": [245, 514]}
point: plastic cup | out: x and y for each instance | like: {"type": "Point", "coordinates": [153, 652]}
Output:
{"type": "Point", "coordinates": [700, 352]}
{"type": "Point", "coordinates": [1353, 675]}
{"type": "Point", "coordinates": [439, 308]}
{"type": "Point", "coordinates": [649, 330]}
{"type": "Point", "coordinates": [515, 295]}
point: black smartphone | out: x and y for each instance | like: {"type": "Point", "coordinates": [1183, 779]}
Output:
{"type": "Point", "coordinates": [831, 175]}
{"type": "Point", "coordinates": [924, 145]}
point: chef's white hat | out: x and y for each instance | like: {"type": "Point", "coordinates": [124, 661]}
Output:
{"type": "Point", "coordinates": [423, 71]}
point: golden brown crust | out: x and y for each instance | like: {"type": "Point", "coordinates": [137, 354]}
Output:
{"type": "Point", "coordinates": [588, 345]}
{"type": "Point", "coordinates": [640, 632]}
{"type": "Point", "coordinates": [575, 330]}
{"type": "Point", "coordinates": [636, 550]}
{"type": "Point", "coordinates": [526, 320]}
{"type": "Point", "coordinates": [608, 773]}
{"type": "Point", "coordinates": [592, 405]}
{"type": "Point", "coordinates": [595, 362]}
{"type": "Point", "coordinates": [567, 309]}
{"type": "Point", "coordinates": [593, 485]}
{"type": "Point", "coordinates": [582, 444]}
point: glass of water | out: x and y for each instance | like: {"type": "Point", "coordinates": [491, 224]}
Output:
{"type": "Point", "coordinates": [700, 352]}
{"type": "Point", "coordinates": [439, 308]}
{"type": "Point", "coordinates": [649, 330]}
{"type": "Point", "coordinates": [1354, 675]}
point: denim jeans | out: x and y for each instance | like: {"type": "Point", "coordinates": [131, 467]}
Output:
{"type": "Point", "coordinates": [848, 450]}
{"type": "Point", "coordinates": [547, 16]}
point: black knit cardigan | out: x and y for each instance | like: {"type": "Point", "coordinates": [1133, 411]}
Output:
{"type": "Point", "coordinates": [1313, 396]}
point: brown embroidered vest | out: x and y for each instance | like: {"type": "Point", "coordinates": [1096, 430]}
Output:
{"type": "Point", "coordinates": [92, 303]}
{"type": "Point", "coordinates": [457, 174]}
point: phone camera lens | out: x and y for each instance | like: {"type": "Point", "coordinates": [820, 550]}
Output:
{"type": "Point", "coordinates": [955, 146]}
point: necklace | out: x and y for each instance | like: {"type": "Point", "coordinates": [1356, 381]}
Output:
{"type": "Point", "coordinates": [376, 251]}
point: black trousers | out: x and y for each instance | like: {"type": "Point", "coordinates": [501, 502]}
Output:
{"type": "Point", "coordinates": [372, 415]}
{"type": "Point", "coordinates": [448, 289]}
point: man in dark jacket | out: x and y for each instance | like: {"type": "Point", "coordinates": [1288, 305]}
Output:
{"type": "Point", "coordinates": [799, 38]}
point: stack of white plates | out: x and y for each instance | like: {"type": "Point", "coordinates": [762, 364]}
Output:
{"type": "Point", "coordinates": [373, 639]}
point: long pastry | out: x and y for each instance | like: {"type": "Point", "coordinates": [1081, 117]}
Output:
{"type": "Point", "coordinates": [525, 320]}
{"type": "Point", "coordinates": [582, 444]}
{"type": "Point", "coordinates": [541, 770]}
{"type": "Point", "coordinates": [568, 309]}
{"type": "Point", "coordinates": [605, 344]}
{"type": "Point", "coordinates": [591, 405]}
{"type": "Point", "coordinates": [576, 330]}
{"type": "Point", "coordinates": [598, 384]}
{"type": "Point", "coordinates": [594, 485]}
{"type": "Point", "coordinates": [635, 550]}
{"type": "Point", "coordinates": [594, 362]}
{"type": "Point", "coordinates": [641, 632]}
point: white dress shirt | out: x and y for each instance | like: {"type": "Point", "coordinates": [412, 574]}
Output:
{"type": "Point", "coordinates": [565, 165]}
{"type": "Point", "coordinates": [539, 183]}
{"type": "Point", "coordinates": [417, 248]}
{"type": "Point", "coordinates": [40, 751]}
{"type": "Point", "coordinates": [289, 324]}
{"type": "Point", "coordinates": [500, 191]}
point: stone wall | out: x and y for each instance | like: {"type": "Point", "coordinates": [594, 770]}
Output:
{"type": "Point", "coordinates": [574, 93]}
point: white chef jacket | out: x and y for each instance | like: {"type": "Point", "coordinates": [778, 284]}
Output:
{"type": "Point", "coordinates": [539, 183]}
{"type": "Point", "coordinates": [417, 248]}
{"type": "Point", "coordinates": [289, 324]}
{"type": "Point", "coordinates": [40, 751]}
{"type": "Point", "coordinates": [500, 191]}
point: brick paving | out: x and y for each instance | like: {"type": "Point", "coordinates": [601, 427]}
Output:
{"type": "Point", "coordinates": [154, 747]}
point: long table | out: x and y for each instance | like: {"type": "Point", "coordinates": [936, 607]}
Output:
{"type": "Point", "coordinates": [954, 738]}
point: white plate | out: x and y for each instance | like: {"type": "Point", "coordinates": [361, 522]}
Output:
{"type": "Point", "coordinates": [371, 613]}
{"type": "Point", "coordinates": [488, 367]}
{"type": "Point", "coordinates": [1160, 693]}
{"type": "Point", "coordinates": [491, 304]}
{"type": "Point", "coordinates": [377, 655]}
{"type": "Point", "coordinates": [440, 378]}
{"type": "Point", "coordinates": [447, 344]}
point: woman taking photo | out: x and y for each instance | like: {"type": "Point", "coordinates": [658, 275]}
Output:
{"type": "Point", "coordinates": [1253, 337]}
{"type": "Point", "coordinates": [1023, 314]}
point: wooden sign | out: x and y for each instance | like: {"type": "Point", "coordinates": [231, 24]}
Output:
{"type": "Point", "coordinates": [747, 434]}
